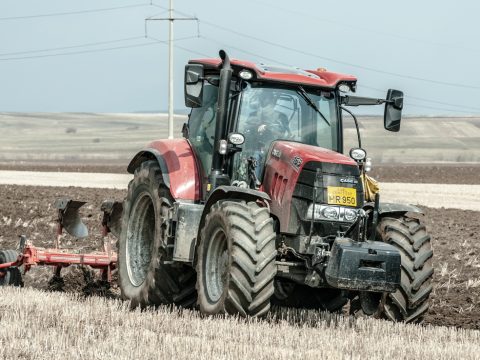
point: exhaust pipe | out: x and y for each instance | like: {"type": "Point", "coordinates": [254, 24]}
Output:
{"type": "Point", "coordinates": [217, 177]}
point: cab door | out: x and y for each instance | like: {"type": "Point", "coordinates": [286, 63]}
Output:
{"type": "Point", "coordinates": [201, 129]}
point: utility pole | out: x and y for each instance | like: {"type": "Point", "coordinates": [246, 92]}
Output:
{"type": "Point", "coordinates": [170, 20]}
{"type": "Point", "coordinates": [170, 72]}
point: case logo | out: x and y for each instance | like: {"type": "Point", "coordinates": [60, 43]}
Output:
{"type": "Point", "coordinates": [276, 153]}
{"type": "Point", "coordinates": [348, 180]}
{"type": "Point", "coordinates": [296, 162]}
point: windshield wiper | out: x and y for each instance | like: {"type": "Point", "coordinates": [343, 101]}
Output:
{"type": "Point", "coordinates": [310, 102]}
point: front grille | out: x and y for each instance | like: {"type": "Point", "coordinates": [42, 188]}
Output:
{"type": "Point", "coordinates": [331, 174]}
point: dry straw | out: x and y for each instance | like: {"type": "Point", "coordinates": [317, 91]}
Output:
{"type": "Point", "coordinates": [40, 325]}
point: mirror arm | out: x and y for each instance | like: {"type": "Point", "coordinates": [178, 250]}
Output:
{"type": "Point", "coordinates": [349, 100]}
{"type": "Point", "coordinates": [356, 125]}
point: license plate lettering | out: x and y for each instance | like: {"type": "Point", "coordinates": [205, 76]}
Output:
{"type": "Point", "coordinates": [342, 196]}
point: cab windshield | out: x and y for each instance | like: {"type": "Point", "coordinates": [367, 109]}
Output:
{"type": "Point", "coordinates": [267, 114]}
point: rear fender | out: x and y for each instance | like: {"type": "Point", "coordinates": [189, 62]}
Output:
{"type": "Point", "coordinates": [178, 166]}
{"type": "Point", "coordinates": [229, 193]}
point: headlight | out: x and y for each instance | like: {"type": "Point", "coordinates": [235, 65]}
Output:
{"type": "Point", "coordinates": [358, 154]}
{"type": "Point", "coordinates": [350, 215]}
{"type": "Point", "coordinates": [332, 213]}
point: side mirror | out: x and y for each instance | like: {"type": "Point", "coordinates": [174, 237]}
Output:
{"type": "Point", "coordinates": [393, 110]}
{"type": "Point", "coordinates": [193, 85]}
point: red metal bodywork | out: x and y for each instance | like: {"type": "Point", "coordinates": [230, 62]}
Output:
{"type": "Point", "coordinates": [32, 256]}
{"type": "Point", "coordinates": [320, 77]}
{"type": "Point", "coordinates": [181, 166]}
{"type": "Point", "coordinates": [105, 261]}
{"type": "Point", "coordinates": [281, 174]}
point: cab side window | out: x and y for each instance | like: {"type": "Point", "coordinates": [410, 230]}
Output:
{"type": "Point", "coordinates": [201, 125]}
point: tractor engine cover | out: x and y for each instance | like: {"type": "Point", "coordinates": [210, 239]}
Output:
{"type": "Point", "coordinates": [363, 266]}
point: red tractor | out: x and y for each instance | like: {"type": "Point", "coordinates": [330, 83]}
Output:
{"type": "Point", "coordinates": [258, 205]}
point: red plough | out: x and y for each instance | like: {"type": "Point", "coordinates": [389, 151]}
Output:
{"type": "Point", "coordinates": [70, 221]}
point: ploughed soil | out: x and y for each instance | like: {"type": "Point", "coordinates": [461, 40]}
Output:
{"type": "Point", "coordinates": [455, 235]}
{"type": "Point", "coordinates": [406, 173]}
{"type": "Point", "coordinates": [428, 173]}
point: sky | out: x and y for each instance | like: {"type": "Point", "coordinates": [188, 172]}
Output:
{"type": "Point", "coordinates": [102, 56]}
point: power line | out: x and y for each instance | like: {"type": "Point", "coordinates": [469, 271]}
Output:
{"type": "Point", "coordinates": [73, 12]}
{"type": "Point", "coordinates": [306, 53]}
{"type": "Point", "coordinates": [437, 108]}
{"type": "Point", "coordinates": [425, 100]}
{"type": "Point", "coordinates": [178, 46]}
{"type": "Point", "coordinates": [244, 51]}
{"type": "Point", "coordinates": [77, 52]}
{"type": "Point", "coordinates": [367, 87]}
{"type": "Point", "coordinates": [345, 24]}
{"type": "Point", "coordinates": [444, 103]}
{"type": "Point", "coordinates": [190, 51]}
{"type": "Point", "coordinates": [72, 46]}
{"type": "Point", "coordinates": [103, 49]}
{"type": "Point", "coordinates": [299, 51]}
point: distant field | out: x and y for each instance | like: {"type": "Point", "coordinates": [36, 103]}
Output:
{"type": "Point", "coordinates": [40, 325]}
{"type": "Point", "coordinates": [79, 138]}
{"type": "Point", "coordinates": [420, 140]}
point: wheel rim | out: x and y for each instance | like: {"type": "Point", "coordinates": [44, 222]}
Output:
{"type": "Point", "coordinates": [216, 265]}
{"type": "Point", "coordinates": [140, 237]}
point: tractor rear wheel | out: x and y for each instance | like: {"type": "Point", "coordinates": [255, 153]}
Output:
{"type": "Point", "coordinates": [144, 276]}
{"type": "Point", "coordinates": [12, 276]}
{"type": "Point", "coordinates": [236, 260]}
{"type": "Point", "coordinates": [410, 302]}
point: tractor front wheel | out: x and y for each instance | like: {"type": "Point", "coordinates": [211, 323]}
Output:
{"type": "Point", "coordinates": [410, 302]}
{"type": "Point", "coordinates": [236, 260]}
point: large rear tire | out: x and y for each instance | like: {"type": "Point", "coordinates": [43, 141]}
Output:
{"type": "Point", "coordinates": [12, 276]}
{"type": "Point", "coordinates": [410, 302]}
{"type": "Point", "coordinates": [145, 279]}
{"type": "Point", "coordinates": [236, 260]}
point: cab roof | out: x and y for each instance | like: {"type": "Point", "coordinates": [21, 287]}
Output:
{"type": "Point", "coordinates": [291, 75]}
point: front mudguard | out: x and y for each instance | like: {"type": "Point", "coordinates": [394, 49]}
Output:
{"type": "Point", "coordinates": [393, 208]}
{"type": "Point", "coordinates": [229, 193]}
{"type": "Point", "coordinates": [178, 167]}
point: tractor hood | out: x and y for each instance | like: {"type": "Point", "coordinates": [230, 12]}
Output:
{"type": "Point", "coordinates": [298, 153]}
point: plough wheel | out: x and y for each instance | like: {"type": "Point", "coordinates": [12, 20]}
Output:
{"type": "Point", "coordinates": [11, 276]}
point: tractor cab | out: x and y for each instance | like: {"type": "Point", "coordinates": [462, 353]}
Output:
{"type": "Point", "coordinates": [264, 113]}
{"type": "Point", "coordinates": [262, 105]}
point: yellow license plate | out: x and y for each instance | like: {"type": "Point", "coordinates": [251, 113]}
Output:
{"type": "Point", "coordinates": [342, 196]}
